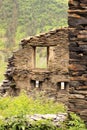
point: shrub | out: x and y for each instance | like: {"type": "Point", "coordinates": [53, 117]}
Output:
{"type": "Point", "coordinates": [21, 123]}
{"type": "Point", "coordinates": [75, 123]}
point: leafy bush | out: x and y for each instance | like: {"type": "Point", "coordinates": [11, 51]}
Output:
{"type": "Point", "coordinates": [21, 123]}
{"type": "Point", "coordinates": [75, 123]}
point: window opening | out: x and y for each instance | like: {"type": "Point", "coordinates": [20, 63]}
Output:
{"type": "Point", "coordinates": [41, 57]}
{"type": "Point", "coordinates": [62, 86]}
{"type": "Point", "coordinates": [37, 84]}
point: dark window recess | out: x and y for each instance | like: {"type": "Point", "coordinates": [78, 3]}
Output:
{"type": "Point", "coordinates": [32, 82]}
{"type": "Point", "coordinates": [62, 85]}
{"type": "Point", "coordinates": [36, 84]}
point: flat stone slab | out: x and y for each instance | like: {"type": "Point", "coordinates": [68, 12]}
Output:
{"type": "Point", "coordinates": [55, 118]}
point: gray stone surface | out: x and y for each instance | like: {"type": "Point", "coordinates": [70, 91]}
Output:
{"type": "Point", "coordinates": [55, 118]}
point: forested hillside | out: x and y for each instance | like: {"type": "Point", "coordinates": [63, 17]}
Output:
{"type": "Point", "coordinates": [23, 18]}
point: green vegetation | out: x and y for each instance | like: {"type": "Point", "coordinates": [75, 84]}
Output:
{"type": "Point", "coordinates": [22, 123]}
{"type": "Point", "coordinates": [13, 113]}
{"type": "Point", "coordinates": [75, 123]}
{"type": "Point", "coordinates": [10, 106]}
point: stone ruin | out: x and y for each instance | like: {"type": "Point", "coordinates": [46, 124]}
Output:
{"type": "Point", "coordinates": [24, 73]}
{"type": "Point", "coordinates": [65, 48]}
{"type": "Point", "coordinates": [77, 21]}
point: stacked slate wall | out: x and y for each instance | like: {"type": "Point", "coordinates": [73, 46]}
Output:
{"type": "Point", "coordinates": [22, 73]}
{"type": "Point", "coordinates": [77, 21]}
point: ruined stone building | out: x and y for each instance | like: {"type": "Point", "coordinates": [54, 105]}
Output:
{"type": "Point", "coordinates": [25, 73]}
{"type": "Point", "coordinates": [63, 48]}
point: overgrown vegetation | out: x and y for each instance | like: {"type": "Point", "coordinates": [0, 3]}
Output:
{"type": "Point", "coordinates": [75, 123]}
{"type": "Point", "coordinates": [13, 113]}
{"type": "Point", "coordinates": [23, 105]}
{"type": "Point", "coordinates": [23, 123]}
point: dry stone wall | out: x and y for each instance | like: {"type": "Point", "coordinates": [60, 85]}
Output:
{"type": "Point", "coordinates": [77, 21]}
{"type": "Point", "coordinates": [22, 73]}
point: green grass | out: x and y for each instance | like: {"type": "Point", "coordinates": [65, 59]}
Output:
{"type": "Point", "coordinates": [22, 104]}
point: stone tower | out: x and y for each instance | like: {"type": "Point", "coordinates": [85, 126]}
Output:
{"type": "Point", "coordinates": [77, 21]}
